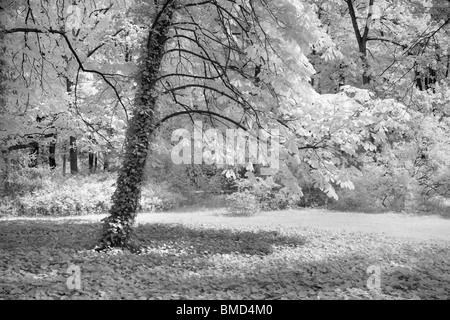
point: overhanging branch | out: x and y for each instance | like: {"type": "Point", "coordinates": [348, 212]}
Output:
{"type": "Point", "coordinates": [175, 114]}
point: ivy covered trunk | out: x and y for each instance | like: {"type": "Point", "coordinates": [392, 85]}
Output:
{"type": "Point", "coordinates": [118, 226]}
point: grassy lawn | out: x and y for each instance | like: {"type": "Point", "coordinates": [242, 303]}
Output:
{"type": "Point", "coordinates": [308, 254]}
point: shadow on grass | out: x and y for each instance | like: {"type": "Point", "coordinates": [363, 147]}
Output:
{"type": "Point", "coordinates": [49, 234]}
{"type": "Point", "coordinates": [32, 234]}
{"type": "Point", "coordinates": [214, 241]}
{"type": "Point", "coordinates": [181, 264]}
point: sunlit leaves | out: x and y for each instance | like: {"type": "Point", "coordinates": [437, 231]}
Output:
{"type": "Point", "coordinates": [43, 65]}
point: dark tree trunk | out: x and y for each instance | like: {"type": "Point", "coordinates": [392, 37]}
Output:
{"type": "Point", "coordinates": [73, 156]}
{"type": "Point", "coordinates": [118, 226]}
{"type": "Point", "coordinates": [5, 172]}
{"type": "Point", "coordinates": [34, 154]}
{"type": "Point", "coordinates": [105, 161]}
{"type": "Point", "coordinates": [95, 162]}
{"type": "Point", "coordinates": [91, 162]}
{"type": "Point", "coordinates": [51, 157]}
{"type": "Point", "coordinates": [365, 62]}
{"type": "Point", "coordinates": [64, 165]}
{"type": "Point", "coordinates": [362, 38]}
{"type": "Point", "coordinates": [426, 80]}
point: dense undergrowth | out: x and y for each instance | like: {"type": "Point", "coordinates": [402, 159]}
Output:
{"type": "Point", "coordinates": [217, 262]}
{"type": "Point", "coordinates": [43, 192]}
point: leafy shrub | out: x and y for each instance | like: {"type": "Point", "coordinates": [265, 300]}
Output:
{"type": "Point", "coordinates": [158, 197]}
{"type": "Point", "coordinates": [269, 195]}
{"type": "Point", "coordinates": [26, 180]}
{"type": "Point", "coordinates": [72, 196]}
{"type": "Point", "coordinates": [435, 205]}
{"type": "Point", "coordinates": [312, 196]}
{"type": "Point", "coordinates": [79, 195]}
{"type": "Point", "coordinates": [280, 200]}
{"type": "Point", "coordinates": [409, 175]}
{"type": "Point", "coordinates": [243, 203]}
{"type": "Point", "coordinates": [378, 190]}
{"type": "Point", "coordinates": [182, 181]}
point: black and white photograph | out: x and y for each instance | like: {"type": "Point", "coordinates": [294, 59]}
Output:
{"type": "Point", "coordinates": [231, 157]}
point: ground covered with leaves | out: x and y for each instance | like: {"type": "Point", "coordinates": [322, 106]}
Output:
{"type": "Point", "coordinates": [213, 261]}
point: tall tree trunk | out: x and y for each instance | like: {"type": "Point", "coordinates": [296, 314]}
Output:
{"type": "Point", "coordinates": [73, 155]}
{"type": "Point", "coordinates": [4, 172]}
{"type": "Point", "coordinates": [364, 62]}
{"type": "Point", "coordinates": [362, 38]}
{"type": "Point", "coordinates": [95, 162]}
{"type": "Point", "coordinates": [118, 226]}
{"type": "Point", "coordinates": [34, 154]}
{"type": "Point", "coordinates": [91, 162]}
{"type": "Point", "coordinates": [64, 159]}
{"type": "Point", "coordinates": [105, 161]}
{"type": "Point", "coordinates": [64, 165]}
{"type": "Point", "coordinates": [51, 157]}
